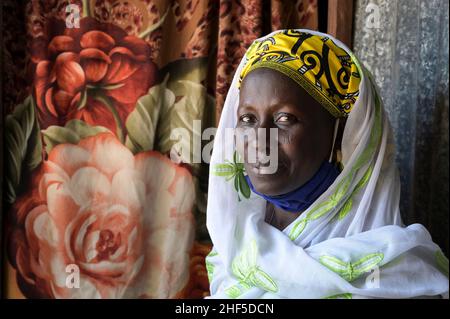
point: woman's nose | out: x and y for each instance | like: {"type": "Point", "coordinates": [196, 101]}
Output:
{"type": "Point", "coordinates": [266, 130]}
{"type": "Point", "coordinates": [261, 143]}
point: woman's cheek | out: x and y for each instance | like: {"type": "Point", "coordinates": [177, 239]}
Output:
{"type": "Point", "coordinates": [285, 137]}
{"type": "Point", "coordinates": [293, 150]}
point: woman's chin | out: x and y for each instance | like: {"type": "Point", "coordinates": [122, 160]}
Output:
{"type": "Point", "coordinates": [267, 188]}
{"type": "Point", "coordinates": [267, 184]}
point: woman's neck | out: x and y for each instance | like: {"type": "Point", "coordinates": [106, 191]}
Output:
{"type": "Point", "coordinates": [279, 218]}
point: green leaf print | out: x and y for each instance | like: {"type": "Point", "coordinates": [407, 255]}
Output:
{"type": "Point", "coordinates": [341, 296]}
{"type": "Point", "coordinates": [249, 274]}
{"type": "Point", "coordinates": [210, 265]}
{"type": "Point", "coordinates": [298, 228]}
{"type": "Point", "coordinates": [23, 149]}
{"type": "Point", "coordinates": [235, 171]}
{"type": "Point", "coordinates": [141, 123]}
{"type": "Point", "coordinates": [234, 291]}
{"type": "Point", "coordinates": [351, 271]}
{"type": "Point", "coordinates": [180, 120]}
{"type": "Point", "coordinates": [71, 133]}
{"type": "Point", "coordinates": [345, 209]}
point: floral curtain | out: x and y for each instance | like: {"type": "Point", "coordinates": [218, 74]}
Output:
{"type": "Point", "coordinates": [100, 199]}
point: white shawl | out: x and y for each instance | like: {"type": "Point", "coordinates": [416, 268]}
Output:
{"type": "Point", "coordinates": [349, 243]}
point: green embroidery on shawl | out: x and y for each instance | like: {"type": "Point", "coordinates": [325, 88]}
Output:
{"type": "Point", "coordinates": [209, 270]}
{"type": "Point", "coordinates": [348, 204]}
{"type": "Point", "coordinates": [345, 209]}
{"type": "Point", "coordinates": [341, 296]}
{"type": "Point", "coordinates": [249, 274]}
{"type": "Point", "coordinates": [364, 180]}
{"type": "Point", "coordinates": [212, 253]}
{"type": "Point", "coordinates": [234, 170]}
{"type": "Point", "coordinates": [326, 206]}
{"type": "Point", "coordinates": [234, 291]}
{"type": "Point", "coordinates": [322, 208]}
{"type": "Point", "coordinates": [374, 137]}
{"type": "Point", "coordinates": [210, 265]}
{"type": "Point", "coordinates": [351, 271]}
{"type": "Point", "coordinates": [297, 229]}
{"type": "Point", "coordinates": [442, 262]}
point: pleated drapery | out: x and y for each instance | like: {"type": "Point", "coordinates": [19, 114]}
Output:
{"type": "Point", "coordinates": [404, 44]}
{"type": "Point", "coordinates": [100, 200]}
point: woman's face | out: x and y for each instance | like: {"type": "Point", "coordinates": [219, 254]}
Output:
{"type": "Point", "coordinates": [269, 99]}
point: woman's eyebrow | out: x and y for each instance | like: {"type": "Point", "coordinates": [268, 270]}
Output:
{"type": "Point", "coordinates": [288, 108]}
{"type": "Point", "coordinates": [246, 106]}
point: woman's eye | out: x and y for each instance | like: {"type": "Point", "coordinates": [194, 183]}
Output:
{"type": "Point", "coordinates": [285, 119]}
{"type": "Point", "coordinates": [247, 119]}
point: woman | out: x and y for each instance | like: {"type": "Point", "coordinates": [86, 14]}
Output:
{"type": "Point", "coordinates": [326, 222]}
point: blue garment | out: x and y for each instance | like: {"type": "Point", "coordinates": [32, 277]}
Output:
{"type": "Point", "coordinates": [301, 198]}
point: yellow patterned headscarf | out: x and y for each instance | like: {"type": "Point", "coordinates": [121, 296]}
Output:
{"type": "Point", "coordinates": [327, 72]}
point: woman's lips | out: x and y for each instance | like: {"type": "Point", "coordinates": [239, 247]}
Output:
{"type": "Point", "coordinates": [265, 170]}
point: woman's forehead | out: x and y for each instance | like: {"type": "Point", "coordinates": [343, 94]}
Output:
{"type": "Point", "coordinates": [267, 76]}
{"type": "Point", "coordinates": [264, 86]}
